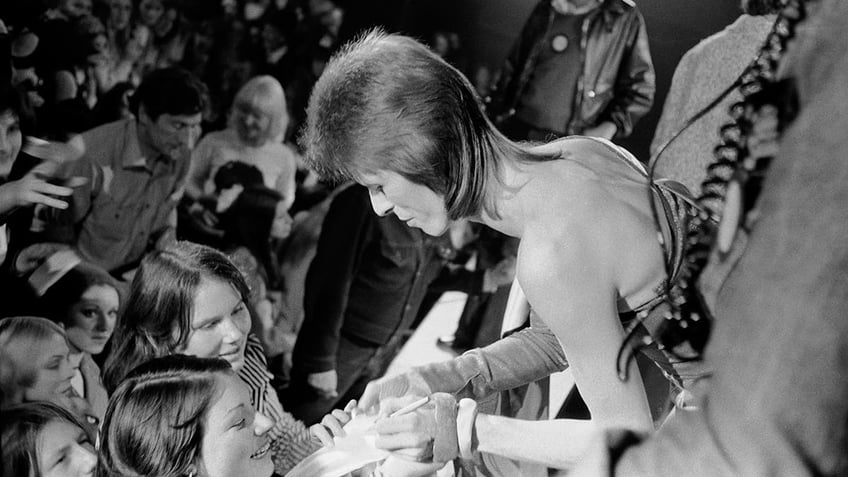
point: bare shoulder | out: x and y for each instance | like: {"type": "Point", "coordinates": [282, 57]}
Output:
{"type": "Point", "coordinates": [551, 255]}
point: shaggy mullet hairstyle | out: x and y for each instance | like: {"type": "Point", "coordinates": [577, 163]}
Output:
{"type": "Point", "coordinates": [386, 102]}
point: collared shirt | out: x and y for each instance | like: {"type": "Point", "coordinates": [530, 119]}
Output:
{"type": "Point", "coordinates": [128, 201]}
{"type": "Point", "coordinates": [291, 440]}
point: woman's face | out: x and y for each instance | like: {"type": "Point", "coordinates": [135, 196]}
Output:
{"type": "Point", "coordinates": [219, 324]}
{"type": "Point", "coordinates": [234, 442]}
{"type": "Point", "coordinates": [64, 450]}
{"type": "Point", "coordinates": [92, 319]}
{"type": "Point", "coordinates": [412, 203]}
{"type": "Point", "coordinates": [252, 123]}
{"type": "Point", "coordinates": [10, 141]}
{"type": "Point", "coordinates": [150, 11]}
{"type": "Point", "coordinates": [53, 371]}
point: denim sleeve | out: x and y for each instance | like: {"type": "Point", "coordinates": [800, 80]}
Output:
{"type": "Point", "coordinates": [520, 358]}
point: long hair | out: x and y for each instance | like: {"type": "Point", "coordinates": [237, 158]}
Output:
{"type": "Point", "coordinates": [67, 291]}
{"type": "Point", "coordinates": [267, 93]}
{"type": "Point", "coordinates": [157, 318]}
{"type": "Point", "coordinates": [17, 372]}
{"type": "Point", "coordinates": [155, 421]}
{"type": "Point", "coordinates": [387, 102]}
{"type": "Point", "coordinates": [21, 427]}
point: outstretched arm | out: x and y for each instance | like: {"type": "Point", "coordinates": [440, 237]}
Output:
{"type": "Point", "coordinates": [521, 358]}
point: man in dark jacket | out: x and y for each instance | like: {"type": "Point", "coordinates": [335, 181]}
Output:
{"type": "Point", "coordinates": [362, 293]}
{"type": "Point", "coordinates": [578, 67]}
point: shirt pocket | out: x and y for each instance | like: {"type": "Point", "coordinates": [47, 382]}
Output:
{"type": "Point", "coordinates": [110, 218]}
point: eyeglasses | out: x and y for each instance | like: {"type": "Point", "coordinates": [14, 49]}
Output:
{"type": "Point", "coordinates": [686, 324]}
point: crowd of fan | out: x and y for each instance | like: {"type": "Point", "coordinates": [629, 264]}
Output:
{"type": "Point", "coordinates": [132, 132]}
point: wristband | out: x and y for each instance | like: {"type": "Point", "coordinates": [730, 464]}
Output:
{"type": "Point", "coordinates": [465, 429]}
{"type": "Point", "coordinates": [445, 445]}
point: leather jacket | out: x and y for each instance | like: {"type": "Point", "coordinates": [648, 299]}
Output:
{"type": "Point", "coordinates": [617, 83]}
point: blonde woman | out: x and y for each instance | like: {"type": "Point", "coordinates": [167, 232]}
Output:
{"type": "Point", "coordinates": [257, 123]}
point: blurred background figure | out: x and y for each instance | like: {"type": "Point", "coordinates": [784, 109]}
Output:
{"type": "Point", "coordinates": [705, 73]}
{"type": "Point", "coordinates": [577, 67]}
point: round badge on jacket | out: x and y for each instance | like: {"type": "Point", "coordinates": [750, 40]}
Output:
{"type": "Point", "coordinates": [559, 43]}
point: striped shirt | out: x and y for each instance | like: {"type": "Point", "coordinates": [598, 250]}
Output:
{"type": "Point", "coordinates": [291, 439]}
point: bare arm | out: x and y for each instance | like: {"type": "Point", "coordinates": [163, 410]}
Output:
{"type": "Point", "coordinates": [571, 286]}
{"type": "Point", "coordinates": [570, 282]}
{"type": "Point", "coordinates": [542, 442]}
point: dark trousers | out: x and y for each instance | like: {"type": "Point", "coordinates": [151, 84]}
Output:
{"type": "Point", "coordinates": [357, 363]}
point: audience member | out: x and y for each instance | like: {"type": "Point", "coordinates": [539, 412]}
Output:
{"type": "Point", "coordinates": [278, 51]}
{"type": "Point", "coordinates": [362, 293]}
{"type": "Point", "coordinates": [127, 42]}
{"type": "Point", "coordinates": [24, 54]}
{"type": "Point", "coordinates": [577, 67]}
{"type": "Point", "coordinates": [182, 415]}
{"type": "Point", "coordinates": [35, 366]}
{"type": "Point", "coordinates": [45, 440]}
{"type": "Point", "coordinates": [20, 187]}
{"type": "Point", "coordinates": [257, 124]}
{"type": "Point", "coordinates": [84, 300]}
{"type": "Point", "coordinates": [413, 131]}
{"type": "Point", "coordinates": [190, 299]}
{"type": "Point", "coordinates": [135, 171]}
